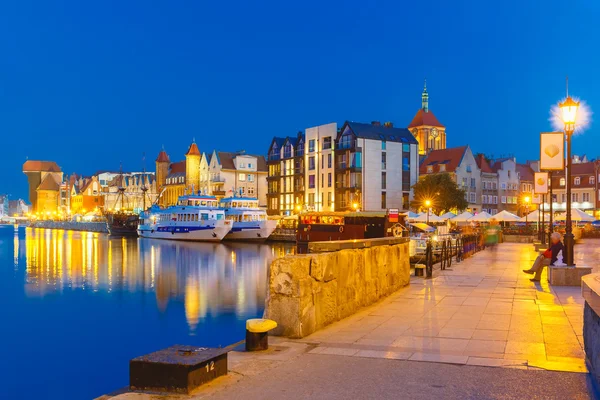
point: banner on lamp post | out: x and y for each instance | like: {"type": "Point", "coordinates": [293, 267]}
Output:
{"type": "Point", "coordinates": [540, 184]}
{"type": "Point", "coordinates": [536, 198]}
{"type": "Point", "coordinates": [552, 151]}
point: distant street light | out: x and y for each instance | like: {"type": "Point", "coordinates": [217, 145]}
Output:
{"type": "Point", "coordinates": [428, 206]}
{"type": "Point", "coordinates": [568, 110]}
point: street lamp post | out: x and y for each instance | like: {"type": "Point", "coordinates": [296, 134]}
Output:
{"type": "Point", "coordinates": [568, 110]}
{"type": "Point", "coordinates": [527, 200]}
{"type": "Point", "coordinates": [428, 205]}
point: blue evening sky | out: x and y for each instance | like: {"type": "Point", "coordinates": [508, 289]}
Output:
{"type": "Point", "coordinates": [89, 84]}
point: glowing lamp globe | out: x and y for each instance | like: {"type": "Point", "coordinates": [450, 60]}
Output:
{"type": "Point", "coordinates": [427, 203]}
{"type": "Point", "coordinates": [568, 110]}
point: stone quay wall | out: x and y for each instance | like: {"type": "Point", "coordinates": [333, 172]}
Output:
{"type": "Point", "coordinates": [308, 292]}
{"type": "Point", "coordinates": [72, 226]}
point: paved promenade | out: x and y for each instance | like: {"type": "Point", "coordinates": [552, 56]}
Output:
{"type": "Point", "coordinates": [483, 311]}
{"type": "Point", "coordinates": [436, 338]}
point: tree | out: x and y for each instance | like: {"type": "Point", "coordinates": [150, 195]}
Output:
{"type": "Point", "coordinates": [442, 191]}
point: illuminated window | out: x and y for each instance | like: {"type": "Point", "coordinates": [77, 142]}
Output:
{"type": "Point", "coordinates": [562, 182]}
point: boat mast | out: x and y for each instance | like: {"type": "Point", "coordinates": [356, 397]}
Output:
{"type": "Point", "coordinates": [144, 188]}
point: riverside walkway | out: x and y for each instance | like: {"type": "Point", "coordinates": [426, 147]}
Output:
{"type": "Point", "coordinates": [478, 330]}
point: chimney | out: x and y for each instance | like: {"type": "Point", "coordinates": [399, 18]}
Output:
{"type": "Point", "coordinates": [375, 123]}
{"type": "Point", "coordinates": [388, 124]}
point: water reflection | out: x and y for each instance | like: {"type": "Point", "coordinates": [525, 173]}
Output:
{"type": "Point", "coordinates": [209, 279]}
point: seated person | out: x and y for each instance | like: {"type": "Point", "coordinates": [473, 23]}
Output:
{"type": "Point", "coordinates": [548, 257]}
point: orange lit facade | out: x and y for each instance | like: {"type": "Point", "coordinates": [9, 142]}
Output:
{"type": "Point", "coordinates": [88, 198]}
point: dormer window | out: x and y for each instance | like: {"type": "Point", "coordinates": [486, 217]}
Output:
{"type": "Point", "coordinates": [592, 180]}
{"type": "Point", "coordinates": [562, 182]}
{"type": "Point", "coordinates": [429, 169]}
{"type": "Point", "coordinates": [442, 167]}
{"type": "Point", "coordinates": [577, 181]}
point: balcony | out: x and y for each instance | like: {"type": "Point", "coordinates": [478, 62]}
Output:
{"type": "Point", "coordinates": [298, 171]}
{"type": "Point", "coordinates": [218, 193]}
{"type": "Point", "coordinates": [343, 186]}
{"type": "Point", "coordinates": [217, 180]}
{"type": "Point", "coordinates": [298, 188]}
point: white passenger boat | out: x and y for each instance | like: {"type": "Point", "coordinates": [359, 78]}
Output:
{"type": "Point", "coordinates": [249, 220]}
{"type": "Point", "coordinates": [195, 217]}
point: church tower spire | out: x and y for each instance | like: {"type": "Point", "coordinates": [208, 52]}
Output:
{"type": "Point", "coordinates": [425, 98]}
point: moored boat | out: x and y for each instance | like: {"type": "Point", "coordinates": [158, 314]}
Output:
{"type": "Point", "coordinates": [122, 223]}
{"type": "Point", "coordinates": [249, 221]}
{"type": "Point", "coordinates": [194, 218]}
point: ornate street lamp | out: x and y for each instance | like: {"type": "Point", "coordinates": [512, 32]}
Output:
{"type": "Point", "coordinates": [568, 110]}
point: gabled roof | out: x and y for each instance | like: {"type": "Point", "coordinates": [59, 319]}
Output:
{"type": "Point", "coordinates": [497, 165]}
{"type": "Point", "coordinates": [525, 172]}
{"type": "Point", "coordinates": [38, 166]}
{"type": "Point", "coordinates": [87, 184]}
{"type": "Point", "coordinates": [451, 158]}
{"type": "Point", "coordinates": [163, 157]}
{"type": "Point", "coordinates": [193, 150]}
{"type": "Point", "coordinates": [49, 183]}
{"type": "Point", "coordinates": [380, 132]}
{"type": "Point", "coordinates": [177, 167]}
{"type": "Point", "coordinates": [226, 161]}
{"type": "Point", "coordinates": [423, 118]}
{"type": "Point", "coordinates": [483, 164]}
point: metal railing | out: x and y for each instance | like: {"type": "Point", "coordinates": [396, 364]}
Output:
{"type": "Point", "coordinates": [445, 249]}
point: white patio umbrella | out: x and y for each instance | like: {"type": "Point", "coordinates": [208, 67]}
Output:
{"type": "Point", "coordinates": [505, 216]}
{"type": "Point", "coordinates": [576, 215]}
{"type": "Point", "coordinates": [432, 218]}
{"type": "Point", "coordinates": [464, 217]}
{"type": "Point", "coordinates": [448, 215]}
{"type": "Point", "coordinates": [534, 216]}
{"type": "Point", "coordinates": [481, 217]}
{"type": "Point", "coordinates": [411, 215]}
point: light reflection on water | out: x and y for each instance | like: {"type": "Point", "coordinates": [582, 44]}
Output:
{"type": "Point", "coordinates": [208, 277]}
{"type": "Point", "coordinates": [85, 303]}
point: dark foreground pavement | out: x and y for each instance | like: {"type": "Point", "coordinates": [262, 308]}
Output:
{"type": "Point", "coordinates": [314, 376]}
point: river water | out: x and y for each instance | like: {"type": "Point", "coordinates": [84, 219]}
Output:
{"type": "Point", "coordinates": [77, 306]}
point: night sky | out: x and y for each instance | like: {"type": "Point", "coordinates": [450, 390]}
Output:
{"type": "Point", "coordinates": [90, 84]}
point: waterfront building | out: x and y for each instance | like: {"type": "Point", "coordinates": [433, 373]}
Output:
{"type": "Point", "coordinates": [376, 166]}
{"type": "Point", "coordinates": [44, 178]}
{"type": "Point", "coordinates": [584, 189]}
{"type": "Point", "coordinates": [286, 175]}
{"type": "Point", "coordinates": [508, 184]}
{"type": "Point", "coordinates": [219, 174]}
{"type": "Point", "coordinates": [526, 173]}
{"type": "Point", "coordinates": [464, 169]}
{"type": "Point", "coordinates": [489, 185]}
{"type": "Point", "coordinates": [224, 174]}
{"type": "Point", "coordinates": [138, 189]}
{"type": "Point", "coordinates": [18, 208]}
{"type": "Point", "coordinates": [4, 207]}
{"type": "Point", "coordinates": [177, 178]}
{"type": "Point", "coordinates": [319, 178]}
{"type": "Point", "coordinates": [426, 128]}
{"type": "Point", "coordinates": [86, 196]}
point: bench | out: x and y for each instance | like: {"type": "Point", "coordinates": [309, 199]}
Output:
{"type": "Point", "coordinates": [257, 333]}
{"type": "Point", "coordinates": [567, 275]}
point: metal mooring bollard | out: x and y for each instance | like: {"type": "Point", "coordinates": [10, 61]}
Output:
{"type": "Point", "coordinates": [257, 333]}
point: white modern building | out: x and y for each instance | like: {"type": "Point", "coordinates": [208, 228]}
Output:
{"type": "Point", "coordinates": [319, 179]}
{"type": "Point", "coordinates": [376, 166]}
